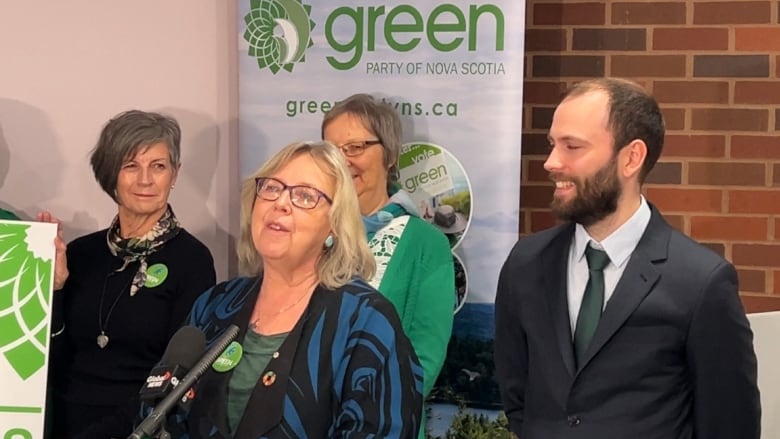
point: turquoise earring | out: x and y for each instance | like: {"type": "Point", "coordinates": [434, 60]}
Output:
{"type": "Point", "coordinates": [329, 241]}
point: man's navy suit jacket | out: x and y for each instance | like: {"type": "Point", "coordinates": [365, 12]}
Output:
{"type": "Point", "coordinates": [671, 358]}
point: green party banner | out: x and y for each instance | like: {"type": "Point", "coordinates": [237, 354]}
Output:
{"type": "Point", "coordinates": [453, 70]}
{"type": "Point", "coordinates": [26, 276]}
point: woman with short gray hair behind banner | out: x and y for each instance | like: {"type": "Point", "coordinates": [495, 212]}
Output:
{"type": "Point", "coordinates": [414, 262]}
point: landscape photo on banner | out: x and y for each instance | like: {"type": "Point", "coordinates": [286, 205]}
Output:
{"type": "Point", "coordinates": [454, 72]}
{"type": "Point", "coordinates": [26, 281]}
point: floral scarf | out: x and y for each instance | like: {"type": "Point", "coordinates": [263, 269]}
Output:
{"type": "Point", "coordinates": [137, 249]}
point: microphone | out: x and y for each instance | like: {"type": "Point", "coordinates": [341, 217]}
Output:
{"type": "Point", "coordinates": [152, 423]}
{"type": "Point", "coordinates": [180, 356]}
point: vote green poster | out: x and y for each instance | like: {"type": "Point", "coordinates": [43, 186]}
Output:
{"type": "Point", "coordinates": [454, 72]}
{"type": "Point", "coordinates": [26, 276]}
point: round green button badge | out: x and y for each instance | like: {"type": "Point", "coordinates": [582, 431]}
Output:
{"type": "Point", "coordinates": [229, 358]}
{"type": "Point", "coordinates": [155, 275]}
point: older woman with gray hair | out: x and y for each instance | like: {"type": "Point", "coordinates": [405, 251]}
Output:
{"type": "Point", "coordinates": [322, 354]}
{"type": "Point", "coordinates": [130, 286]}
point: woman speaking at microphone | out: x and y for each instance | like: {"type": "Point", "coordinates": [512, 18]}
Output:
{"type": "Point", "coordinates": [322, 354]}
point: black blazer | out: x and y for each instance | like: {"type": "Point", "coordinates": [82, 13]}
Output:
{"type": "Point", "coordinates": [672, 357]}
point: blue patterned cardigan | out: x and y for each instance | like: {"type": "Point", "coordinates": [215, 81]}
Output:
{"type": "Point", "coordinates": [346, 370]}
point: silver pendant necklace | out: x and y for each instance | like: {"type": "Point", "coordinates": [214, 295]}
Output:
{"type": "Point", "coordinates": [102, 338]}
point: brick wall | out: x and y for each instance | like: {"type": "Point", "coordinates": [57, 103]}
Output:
{"type": "Point", "coordinates": [714, 67]}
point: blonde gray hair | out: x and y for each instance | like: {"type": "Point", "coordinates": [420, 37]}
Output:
{"type": "Point", "coordinates": [349, 256]}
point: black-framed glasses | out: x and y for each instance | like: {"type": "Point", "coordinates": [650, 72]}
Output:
{"type": "Point", "coordinates": [304, 197]}
{"type": "Point", "coordinates": [353, 149]}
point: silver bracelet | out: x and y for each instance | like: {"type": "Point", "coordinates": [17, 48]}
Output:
{"type": "Point", "coordinates": [54, 334]}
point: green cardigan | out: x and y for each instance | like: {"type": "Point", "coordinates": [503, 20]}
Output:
{"type": "Point", "coordinates": [415, 272]}
{"type": "Point", "coordinates": [7, 215]}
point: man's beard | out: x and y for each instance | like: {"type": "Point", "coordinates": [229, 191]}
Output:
{"type": "Point", "coordinates": [596, 197]}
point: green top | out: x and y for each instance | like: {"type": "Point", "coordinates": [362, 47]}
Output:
{"type": "Point", "coordinates": [7, 215]}
{"type": "Point", "coordinates": [418, 277]}
{"type": "Point", "coordinates": [258, 350]}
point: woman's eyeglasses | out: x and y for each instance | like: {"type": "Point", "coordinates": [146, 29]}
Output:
{"type": "Point", "coordinates": [304, 197]}
{"type": "Point", "coordinates": [353, 149]}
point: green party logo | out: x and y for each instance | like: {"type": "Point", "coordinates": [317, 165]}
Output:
{"type": "Point", "coordinates": [155, 275]}
{"type": "Point", "coordinates": [273, 51]}
{"type": "Point", "coordinates": [352, 31]}
{"type": "Point", "coordinates": [402, 28]}
{"type": "Point", "coordinates": [229, 358]}
{"type": "Point", "coordinates": [25, 282]}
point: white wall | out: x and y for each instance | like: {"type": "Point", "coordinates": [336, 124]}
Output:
{"type": "Point", "coordinates": [67, 67]}
{"type": "Point", "coordinates": [765, 328]}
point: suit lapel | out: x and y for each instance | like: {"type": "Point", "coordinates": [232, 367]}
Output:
{"type": "Point", "coordinates": [637, 280]}
{"type": "Point", "coordinates": [555, 260]}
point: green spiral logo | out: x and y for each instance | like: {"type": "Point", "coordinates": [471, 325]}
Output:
{"type": "Point", "coordinates": [24, 301]}
{"type": "Point", "coordinates": [273, 51]}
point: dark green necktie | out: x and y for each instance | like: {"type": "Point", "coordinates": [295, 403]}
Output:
{"type": "Point", "coordinates": [592, 301]}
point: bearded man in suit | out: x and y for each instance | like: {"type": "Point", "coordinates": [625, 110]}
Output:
{"type": "Point", "coordinates": [613, 325]}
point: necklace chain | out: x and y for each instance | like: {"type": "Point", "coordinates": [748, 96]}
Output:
{"type": "Point", "coordinates": [273, 316]}
{"type": "Point", "coordinates": [102, 338]}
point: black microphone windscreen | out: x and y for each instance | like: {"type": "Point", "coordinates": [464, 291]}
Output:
{"type": "Point", "coordinates": [185, 348]}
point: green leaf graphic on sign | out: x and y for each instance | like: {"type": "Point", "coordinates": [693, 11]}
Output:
{"type": "Point", "coordinates": [24, 299]}
{"type": "Point", "coordinates": [273, 51]}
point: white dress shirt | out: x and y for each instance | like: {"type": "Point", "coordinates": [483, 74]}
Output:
{"type": "Point", "coordinates": [619, 246]}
